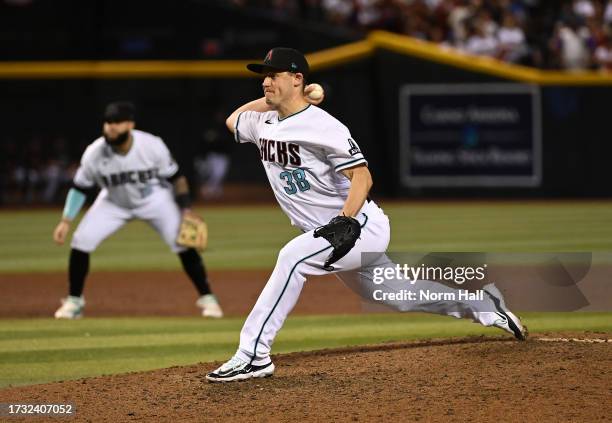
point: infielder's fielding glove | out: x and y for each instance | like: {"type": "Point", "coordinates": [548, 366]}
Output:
{"type": "Point", "coordinates": [193, 233]}
{"type": "Point", "coordinates": [342, 233]}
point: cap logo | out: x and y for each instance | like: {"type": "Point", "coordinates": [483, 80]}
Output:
{"type": "Point", "coordinates": [293, 65]}
{"type": "Point", "coordinates": [268, 57]}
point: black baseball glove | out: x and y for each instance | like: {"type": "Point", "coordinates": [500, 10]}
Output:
{"type": "Point", "coordinates": [342, 233]}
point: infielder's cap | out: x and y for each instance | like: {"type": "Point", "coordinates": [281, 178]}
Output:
{"type": "Point", "coordinates": [282, 59]}
{"type": "Point", "coordinates": [119, 111]}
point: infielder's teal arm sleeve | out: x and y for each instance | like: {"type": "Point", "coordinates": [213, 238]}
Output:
{"type": "Point", "coordinates": [74, 201]}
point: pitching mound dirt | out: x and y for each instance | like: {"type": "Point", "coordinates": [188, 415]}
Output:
{"type": "Point", "coordinates": [479, 379]}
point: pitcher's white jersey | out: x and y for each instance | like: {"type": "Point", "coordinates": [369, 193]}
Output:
{"type": "Point", "coordinates": [303, 155]}
{"type": "Point", "coordinates": [130, 179]}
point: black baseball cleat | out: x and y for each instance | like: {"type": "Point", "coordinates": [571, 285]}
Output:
{"type": "Point", "coordinates": [237, 369]}
{"type": "Point", "coordinates": [507, 320]}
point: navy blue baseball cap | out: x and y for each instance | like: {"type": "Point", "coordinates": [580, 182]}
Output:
{"type": "Point", "coordinates": [119, 111]}
{"type": "Point", "coordinates": [282, 59]}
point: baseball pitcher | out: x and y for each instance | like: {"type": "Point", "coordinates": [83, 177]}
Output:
{"type": "Point", "coordinates": [321, 180]}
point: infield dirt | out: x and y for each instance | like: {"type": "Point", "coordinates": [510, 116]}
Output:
{"type": "Point", "coordinates": [474, 379]}
{"type": "Point", "coordinates": [479, 380]}
{"type": "Point", "coordinates": [162, 294]}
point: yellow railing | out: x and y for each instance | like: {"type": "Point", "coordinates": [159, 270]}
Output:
{"type": "Point", "coordinates": [433, 52]}
{"type": "Point", "coordinates": [320, 60]}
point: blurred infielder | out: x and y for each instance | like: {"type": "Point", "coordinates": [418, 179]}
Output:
{"type": "Point", "coordinates": [136, 174]}
{"type": "Point", "coordinates": [321, 181]}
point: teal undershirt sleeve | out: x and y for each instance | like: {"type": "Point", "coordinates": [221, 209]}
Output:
{"type": "Point", "coordinates": [74, 201]}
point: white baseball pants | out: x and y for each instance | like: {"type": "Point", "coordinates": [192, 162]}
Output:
{"type": "Point", "coordinates": [305, 255]}
{"type": "Point", "coordinates": [105, 218]}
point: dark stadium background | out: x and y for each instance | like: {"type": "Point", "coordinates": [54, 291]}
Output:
{"type": "Point", "coordinates": [51, 119]}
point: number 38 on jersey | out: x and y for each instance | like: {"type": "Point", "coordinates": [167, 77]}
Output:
{"type": "Point", "coordinates": [285, 153]}
{"type": "Point", "coordinates": [296, 180]}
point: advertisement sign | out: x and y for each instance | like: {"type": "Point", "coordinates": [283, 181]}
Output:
{"type": "Point", "coordinates": [470, 135]}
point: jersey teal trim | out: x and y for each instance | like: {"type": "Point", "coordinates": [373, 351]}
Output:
{"type": "Point", "coordinates": [296, 113]}
{"type": "Point", "coordinates": [279, 298]}
{"type": "Point", "coordinates": [74, 201]}
{"type": "Point", "coordinates": [237, 134]}
{"type": "Point", "coordinates": [349, 162]}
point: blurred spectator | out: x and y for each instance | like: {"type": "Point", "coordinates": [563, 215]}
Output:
{"type": "Point", "coordinates": [368, 12]}
{"type": "Point", "coordinates": [486, 22]}
{"type": "Point", "coordinates": [34, 171]}
{"type": "Point", "coordinates": [569, 47]}
{"type": "Point", "coordinates": [27, 171]}
{"type": "Point", "coordinates": [512, 42]}
{"type": "Point", "coordinates": [57, 171]}
{"type": "Point", "coordinates": [608, 13]}
{"type": "Point", "coordinates": [584, 8]}
{"type": "Point", "coordinates": [480, 42]}
{"type": "Point", "coordinates": [338, 12]}
{"type": "Point", "coordinates": [212, 168]}
{"type": "Point", "coordinates": [457, 17]}
{"type": "Point", "coordinates": [561, 34]}
{"type": "Point", "coordinates": [603, 55]}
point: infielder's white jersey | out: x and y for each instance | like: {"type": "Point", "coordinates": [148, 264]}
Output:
{"type": "Point", "coordinates": [303, 155]}
{"type": "Point", "coordinates": [130, 179]}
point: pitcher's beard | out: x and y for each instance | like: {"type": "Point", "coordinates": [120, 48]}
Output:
{"type": "Point", "coordinates": [118, 140]}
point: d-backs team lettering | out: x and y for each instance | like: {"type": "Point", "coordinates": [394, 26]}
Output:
{"type": "Point", "coordinates": [279, 151]}
{"type": "Point", "coordinates": [129, 177]}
